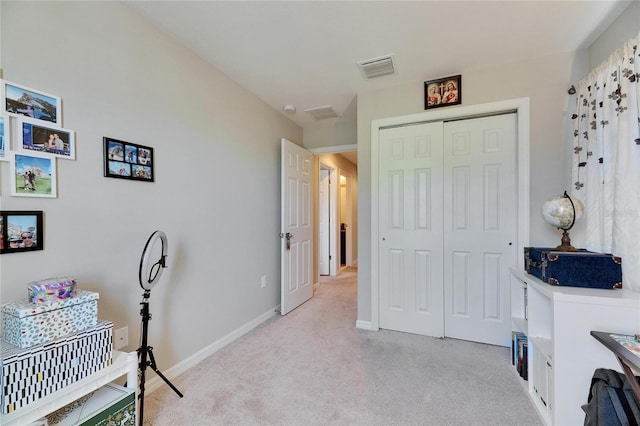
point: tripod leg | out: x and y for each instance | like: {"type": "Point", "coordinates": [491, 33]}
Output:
{"type": "Point", "coordinates": [142, 366]}
{"type": "Point", "coordinates": [152, 364]}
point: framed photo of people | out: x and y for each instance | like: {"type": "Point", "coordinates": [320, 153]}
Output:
{"type": "Point", "coordinates": [21, 231]}
{"type": "Point", "coordinates": [126, 160]}
{"type": "Point", "coordinates": [33, 174]}
{"type": "Point", "coordinates": [34, 135]}
{"type": "Point", "coordinates": [22, 101]}
{"type": "Point", "coordinates": [442, 92]}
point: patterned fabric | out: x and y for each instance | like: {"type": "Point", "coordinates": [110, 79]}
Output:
{"type": "Point", "coordinates": [606, 160]}
{"type": "Point", "coordinates": [61, 414]}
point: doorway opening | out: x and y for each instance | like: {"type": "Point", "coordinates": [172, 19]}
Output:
{"type": "Point", "coordinates": [336, 211]}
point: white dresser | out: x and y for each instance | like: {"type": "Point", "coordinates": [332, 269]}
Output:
{"type": "Point", "coordinates": [562, 355]}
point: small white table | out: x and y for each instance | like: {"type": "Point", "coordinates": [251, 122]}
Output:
{"type": "Point", "coordinates": [629, 361]}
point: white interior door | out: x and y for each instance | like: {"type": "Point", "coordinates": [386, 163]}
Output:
{"type": "Point", "coordinates": [410, 229]}
{"type": "Point", "coordinates": [296, 226]}
{"type": "Point", "coordinates": [480, 225]}
{"type": "Point", "coordinates": [323, 223]}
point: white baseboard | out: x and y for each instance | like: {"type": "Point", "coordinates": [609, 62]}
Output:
{"type": "Point", "coordinates": [366, 325]}
{"type": "Point", "coordinates": [156, 382]}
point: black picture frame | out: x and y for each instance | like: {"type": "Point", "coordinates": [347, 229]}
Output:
{"type": "Point", "coordinates": [21, 231]}
{"type": "Point", "coordinates": [443, 92]}
{"type": "Point", "coordinates": [126, 160]}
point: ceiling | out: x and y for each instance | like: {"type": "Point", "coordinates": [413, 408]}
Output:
{"type": "Point", "coordinates": [305, 53]}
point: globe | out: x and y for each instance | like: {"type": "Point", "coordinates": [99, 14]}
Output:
{"type": "Point", "coordinates": [562, 212]}
{"type": "Point", "coordinates": [559, 212]}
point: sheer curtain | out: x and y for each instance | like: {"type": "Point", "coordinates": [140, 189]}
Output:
{"type": "Point", "coordinates": [606, 160]}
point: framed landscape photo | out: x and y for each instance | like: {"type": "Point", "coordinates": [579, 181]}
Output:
{"type": "Point", "coordinates": [21, 231]}
{"type": "Point", "coordinates": [443, 92]}
{"type": "Point", "coordinates": [19, 100]}
{"type": "Point", "coordinates": [126, 160]}
{"type": "Point", "coordinates": [43, 137]}
{"type": "Point", "coordinates": [33, 175]}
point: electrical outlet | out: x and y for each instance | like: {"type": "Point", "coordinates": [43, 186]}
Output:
{"type": "Point", "coordinates": [263, 281]}
{"type": "Point", "coordinates": [121, 338]}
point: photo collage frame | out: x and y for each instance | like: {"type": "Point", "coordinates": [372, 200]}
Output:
{"type": "Point", "coordinates": [126, 160]}
{"type": "Point", "coordinates": [32, 139]}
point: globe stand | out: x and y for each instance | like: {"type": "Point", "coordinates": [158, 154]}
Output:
{"type": "Point", "coordinates": [566, 243]}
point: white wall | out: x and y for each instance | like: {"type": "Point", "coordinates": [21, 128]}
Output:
{"type": "Point", "coordinates": [626, 26]}
{"type": "Point", "coordinates": [330, 132]}
{"type": "Point", "coordinates": [217, 189]}
{"type": "Point", "coordinates": [544, 80]}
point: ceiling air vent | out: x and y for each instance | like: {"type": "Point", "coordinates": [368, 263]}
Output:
{"type": "Point", "coordinates": [377, 67]}
{"type": "Point", "coordinates": [322, 113]}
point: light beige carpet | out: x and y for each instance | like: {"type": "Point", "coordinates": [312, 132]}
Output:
{"type": "Point", "coordinates": [313, 367]}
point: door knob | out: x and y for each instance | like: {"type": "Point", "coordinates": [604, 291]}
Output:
{"type": "Point", "coordinates": [288, 236]}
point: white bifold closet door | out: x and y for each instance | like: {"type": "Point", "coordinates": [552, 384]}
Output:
{"type": "Point", "coordinates": [447, 224]}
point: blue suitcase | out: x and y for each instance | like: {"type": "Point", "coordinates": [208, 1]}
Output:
{"type": "Point", "coordinates": [574, 269]}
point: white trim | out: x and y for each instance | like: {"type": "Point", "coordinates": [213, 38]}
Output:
{"type": "Point", "coordinates": [366, 325]}
{"type": "Point", "coordinates": [156, 382]}
{"type": "Point", "coordinates": [334, 149]}
{"type": "Point", "coordinates": [520, 106]}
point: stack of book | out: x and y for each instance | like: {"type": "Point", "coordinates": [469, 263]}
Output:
{"type": "Point", "coordinates": [519, 359]}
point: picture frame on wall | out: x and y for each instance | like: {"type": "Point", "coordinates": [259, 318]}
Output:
{"type": "Point", "coordinates": [18, 100]}
{"type": "Point", "coordinates": [126, 160]}
{"type": "Point", "coordinates": [4, 136]}
{"type": "Point", "coordinates": [443, 92]}
{"type": "Point", "coordinates": [33, 174]}
{"type": "Point", "coordinates": [34, 135]}
{"type": "Point", "coordinates": [21, 231]}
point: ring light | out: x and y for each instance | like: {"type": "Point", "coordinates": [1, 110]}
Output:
{"type": "Point", "coordinates": [149, 275]}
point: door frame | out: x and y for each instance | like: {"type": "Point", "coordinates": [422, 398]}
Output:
{"type": "Point", "coordinates": [520, 106]}
{"type": "Point", "coordinates": [324, 218]}
{"type": "Point", "coordinates": [336, 149]}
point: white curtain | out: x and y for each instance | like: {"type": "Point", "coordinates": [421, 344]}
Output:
{"type": "Point", "coordinates": [606, 160]}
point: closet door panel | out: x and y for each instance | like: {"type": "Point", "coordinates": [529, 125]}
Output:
{"type": "Point", "coordinates": [480, 214]}
{"type": "Point", "coordinates": [410, 229]}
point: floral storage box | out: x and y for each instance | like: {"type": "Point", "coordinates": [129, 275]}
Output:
{"type": "Point", "coordinates": [51, 289]}
{"type": "Point", "coordinates": [26, 324]}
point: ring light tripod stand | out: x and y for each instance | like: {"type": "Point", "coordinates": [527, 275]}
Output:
{"type": "Point", "coordinates": [149, 276]}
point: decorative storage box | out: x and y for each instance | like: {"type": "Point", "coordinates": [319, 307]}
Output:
{"type": "Point", "coordinates": [574, 269]}
{"type": "Point", "coordinates": [51, 289]}
{"type": "Point", "coordinates": [27, 324]}
{"type": "Point", "coordinates": [33, 373]}
{"type": "Point", "coordinates": [111, 405]}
